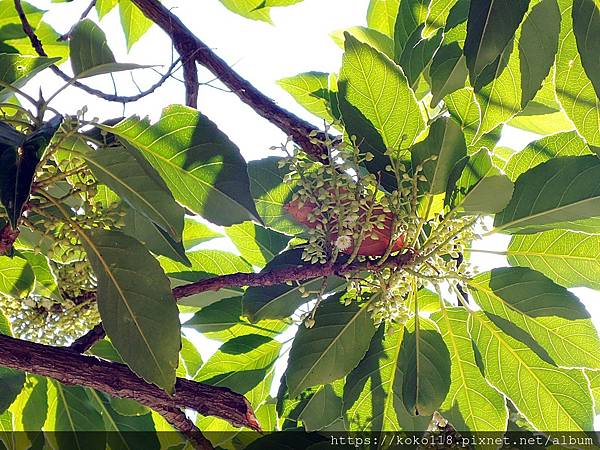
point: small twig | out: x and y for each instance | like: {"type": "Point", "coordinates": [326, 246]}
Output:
{"type": "Point", "coordinates": [185, 426]}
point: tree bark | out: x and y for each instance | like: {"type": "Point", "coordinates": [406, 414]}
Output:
{"type": "Point", "coordinates": [69, 367]}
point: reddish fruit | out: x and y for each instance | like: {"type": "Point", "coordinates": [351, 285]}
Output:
{"type": "Point", "coordinates": [369, 246]}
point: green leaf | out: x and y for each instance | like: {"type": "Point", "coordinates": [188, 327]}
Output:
{"type": "Point", "coordinates": [537, 47]}
{"type": "Point", "coordinates": [190, 359]}
{"type": "Point", "coordinates": [17, 70]}
{"type": "Point", "coordinates": [76, 417]}
{"type": "Point", "coordinates": [222, 320]}
{"type": "Point", "coordinates": [136, 305]}
{"type": "Point", "coordinates": [463, 107]}
{"type": "Point", "coordinates": [240, 363]}
{"type": "Point", "coordinates": [308, 89]}
{"type": "Point", "coordinates": [417, 54]}
{"type": "Point", "coordinates": [189, 150]}
{"type": "Point", "coordinates": [425, 363]}
{"type": "Point", "coordinates": [9, 15]}
{"type": "Point", "coordinates": [16, 276]}
{"type": "Point", "coordinates": [126, 407]}
{"type": "Point", "coordinates": [45, 281]}
{"type": "Point", "coordinates": [152, 236]}
{"type": "Point", "coordinates": [256, 244]}
{"type": "Point", "coordinates": [332, 348]}
{"type": "Point", "coordinates": [594, 377]}
{"type": "Point", "coordinates": [205, 264]}
{"type": "Point", "coordinates": [568, 258]}
{"type": "Point", "coordinates": [481, 187]}
{"type": "Point", "coordinates": [88, 48]}
{"type": "Point", "coordinates": [550, 314]}
{"type": "Point", "coordinates": [373, 38]}
{"type": "Point", "coordinates": [103, 7]}
{"type": "Point", "coordinates": [53, 46]}
{"type": "Point", "coordinates": [448, 71]}
{"type": "Point", "coordinates": [127, 433]}
{"type": "Point", "coordinates": [438, 153]}
{"type": "Point", "coordinates": [574, 89]}
{"type": "Point", "coordinates": [437, 14]}
{"type": "Point", "coordinates": [19, 157]}
{"type": "Point", "coordinates": [586, 27]}
{"type": "Point", "coordinates": [381, 16]}
{"type": "Point", "coordinates": [134, 22]}
{"type": "Point", "coordinates": [30, 409]}
{"type": "Point", "coordinates": [537, 152]}
{"type": "Point", "coordinates": [471, 404]}
{"type": "Point", "coordinates": [549, 397]}
{"type": "Point", "coordinates": [411, 15]}
{"type": "Point", "coordinates": [376, 102]}
{"type": "Point", "coordinates": [556, 193]}
{"type": "Point", "coordinates": [322, 410]}
{"type": "Point", "coordinates": [280, 301]}
{"type": "Point", "coordinates": [490, 27]}
{"type": "Point", "coordinates": [372, 398]}
{"type": "Point", "coordinates": [138, 183]}
{"type": "Point", "coordinates": [271, 194]}
{"type": "Point", "coordinates": [11, 380]}
{"type": "Point", "coordinates": [195, 233]}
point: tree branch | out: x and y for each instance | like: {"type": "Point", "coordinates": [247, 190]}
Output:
{"type": "Point", "coordinates": [186, 426]}
{"type": "Point", "coordinates": [265, 278]}
{"type": "Point", "coordinates": [186, 43]}
{"type": "Point", "coordinates": [69, 367]}
{"type": "Point", "coordinates": [39, 48]}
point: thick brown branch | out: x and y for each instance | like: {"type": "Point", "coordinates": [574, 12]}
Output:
{"type": "Point", "coordinates": [69, 367]}
{"type": "Point", "coordinates": [186, 43]}
{"type": "Point", "coordinates": [39, 48]}
{"type": "Point", "coordinates": [268, 278]}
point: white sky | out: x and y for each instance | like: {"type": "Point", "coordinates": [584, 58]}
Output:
{"type": "Point", "coordinates": [298, 42]}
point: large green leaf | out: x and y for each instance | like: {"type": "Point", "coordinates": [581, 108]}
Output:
{"type": "Point", "coordinates": [45, 281]}
{"type": "Point", "coordinates": [381, 16]}
{"type": "Point", "coordinates": [411, 15]}
{"type": "Point", "coordinates": [190, 359]}
{"type": "Point", "coordinates": [331, 348]}
{"type": "Point", "coordinates": [376, 102]}
{"type": "Point", "coordinates": [574, 89]}
{"type": "Point", "coordinates": [202, 167]}
{"type": "Point", "coordinates": [373, 38]}
{"type": "Point", "coordinates": [448, 71]}
{"type": "Point", "coordinates": [425, 363]}
{"type": "Point", "coordinates": [557, 193]}
{"type": "Point", "coordinates": [240, 363]}
{"type": "Point", "coordinates": [322, 411]}
{"type": "Point", "coordinates": [537, 152]}
{"type": "Point", "coordinates": [491, 25]}
{"type": "Point", "coordinates": [137, 307]}
{"type": "Point", "coordinates": [256, 244]}
{"type": "Point", "coordinates": [81, 424]}
{"type": "Point", "coordinates": [471, 404]}
{"type": "Point", "coordinates": [549, 313]}
{"type": "Point", "coordinates": [437, 15]}
{"type": "Point", "coordinates": [16, 276]}
{"type": "Point", "coordinates": [586, 27]}
{"type": "Point", "coordinates": [372, 398]}
{"type": "Point", "coordinates": [308, 90]}
{"type": "Point", "coordinates": [280, 301]}
{"type": "Point", "coordinates": [17, 70]}
{"type": "Point", "coordinates": [19, 157]}
{"type": "Point", "coordinates": [55, 47]}
{"type": "Point", "coordinates": [134, 22]}
{"type": "Point", "coordinates": [205, 264]}
{"type": "Point", "coordinates": [549, 397]}
{"type": "Point", "coordinates": [569, 258]}
{"type": "Point", "coordinates": [271, 194]}
{"type": "Point", "coordinates": [88, 47]}
{"type": "Point", "coordinates": [417, 54]}
{"type": "Point", "coordinates": [138, 184]}
{"type": "Point", "coordinates": [223, 320]}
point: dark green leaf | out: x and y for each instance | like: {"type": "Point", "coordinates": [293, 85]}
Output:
{"type": "Point", "coordinates": [425, 363]}
{"type": "Point", "coordinates": [188, 150]}
{"type": "Point", "coordinates": [448, 71]}
{"type": "Point", "coordinates": [332, 348]}
{"type": "Point", "coordinates": [437, 15]}
{"type": "Point", "coordinates": [18, 162]}
{"type": "Point", "coordinates": [322, 410]}
{"type": "Point", "coordinates": [137, 307]}
{"type": "Point", "coordinates": [256, 244]}
{"type": "Point", "coordinates": [557, 193]}
{"type": "Point", "coordinates": [88, 48]}
{"type": "Point", "coordinates": [491, 25]}
{"type": "Point", "coordinates": [417, 54]}
{"type": "Point", "coordinates": [586, 28]}
{"type": "Point", "coordinates": [411, 15]}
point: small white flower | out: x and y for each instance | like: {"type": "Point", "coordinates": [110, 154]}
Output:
{"type": "Point", "coordinates": [343, 243]}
